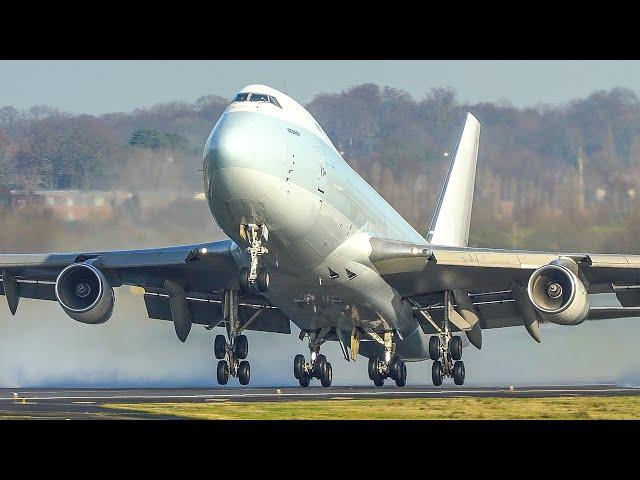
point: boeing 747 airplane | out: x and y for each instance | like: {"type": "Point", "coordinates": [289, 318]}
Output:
{"type": "Point", "coordinates": [310, 242]}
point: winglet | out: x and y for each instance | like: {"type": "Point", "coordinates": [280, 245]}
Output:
{"type": "Point", "coordinates": [450, 224]}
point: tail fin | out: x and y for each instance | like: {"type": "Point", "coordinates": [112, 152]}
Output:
{"type": "Point", "coordinates": [450, 224]}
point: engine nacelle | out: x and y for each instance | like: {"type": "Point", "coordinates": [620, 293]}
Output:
{"type": "Point", "coordinates": [85, 294]}
{"type": "Point", "coordinates": [558, 294]}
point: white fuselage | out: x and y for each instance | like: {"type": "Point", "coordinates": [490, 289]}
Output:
{"type": "Point", "coordinates": [271, 164]}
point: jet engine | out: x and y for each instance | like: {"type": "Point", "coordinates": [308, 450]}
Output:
{"type": "Point", "coordinates": [85, 294]}
{"type": "Point", "coordinates": [558, 294]}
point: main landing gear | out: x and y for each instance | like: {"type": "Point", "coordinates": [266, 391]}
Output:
{"type": "Point", "coordinates": [446, 352]}
{"type": "Point", "coordinates": [254, 275]}
{"type": "Point", "coordinates": [236, 349]}
{"type": "Point", "coordinates": [390, 366]}
{"type": "Point", "coordinates": [318, 366]}
{"type": "Point", "coordinates": [380, 370]}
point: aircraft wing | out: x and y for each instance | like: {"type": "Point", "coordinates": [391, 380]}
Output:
{"type": "Point", "coordinates": [199, 272]}
{"type": "Point", "coordinates": [421, 272]}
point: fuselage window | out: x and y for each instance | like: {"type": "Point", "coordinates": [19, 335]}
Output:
{"type": "Point", "coordinates": [258, 97]}
{"type": "Point", "coordinates": [274, 101]}
{"type": "Point", "coordinates": [241, 97]}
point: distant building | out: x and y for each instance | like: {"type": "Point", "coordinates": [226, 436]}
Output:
{"type": "Point", "coordinates": [82, 205]}
{"type": "Point", "coordinates": [71, 205]}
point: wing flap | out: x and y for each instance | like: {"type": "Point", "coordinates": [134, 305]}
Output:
{"type": "Point", "coordinates": [607, 313]}
{"type": "Point", "coordinates": [34, 289]}
{"type": "Point", "coordinates": [208, 312]}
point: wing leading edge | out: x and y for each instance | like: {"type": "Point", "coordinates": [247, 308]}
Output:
{"type": "Point", "coordinates": [421, 272]}
{"type": "Point", "coordinates": [202, 271]}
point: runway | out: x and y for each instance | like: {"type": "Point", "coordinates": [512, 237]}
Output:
{"type": "Point", "coordinates": [86, 403]}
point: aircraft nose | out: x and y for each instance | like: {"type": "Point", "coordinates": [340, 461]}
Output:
{"type": "Point", "coordinates": [231, 146]}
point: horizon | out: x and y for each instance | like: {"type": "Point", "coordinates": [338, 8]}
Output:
{"type": "Point", "coordinates": [106, 86]}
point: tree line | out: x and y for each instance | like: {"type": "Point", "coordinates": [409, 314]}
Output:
{"type": "Point", "coordinates": [563, 176]}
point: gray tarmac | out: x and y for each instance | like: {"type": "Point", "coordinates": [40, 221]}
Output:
{"type": "Point", "coordinates": [86, 403]}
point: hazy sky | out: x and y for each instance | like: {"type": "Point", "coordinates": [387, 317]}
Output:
{"type": "Point", "coordinates": [109, 86]}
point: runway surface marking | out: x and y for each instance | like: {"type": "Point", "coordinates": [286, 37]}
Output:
{"type": "Point", "coordinates": [91, 396]}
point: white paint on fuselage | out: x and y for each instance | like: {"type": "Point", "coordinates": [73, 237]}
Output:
{"type": "Point", "coordinates": [276, 166]}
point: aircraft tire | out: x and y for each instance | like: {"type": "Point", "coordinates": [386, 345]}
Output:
{"type": "Point", "coordinates": [244, 372]}
{"type": "Point", "coordinates": [328, 376]}
{"type": "Point", "coordinates": [244, 280]}
{"type": "Point", "coordinates": [401, 379]}
{"type": "Point", "coordinates": [263, 280]}
{"type": "Point", "coordinates": [456, 348]}
{"type": "Point", "coordinates": [458, 373]}
{"type": "Point", "coordinates": [298, 366]}
{"type": "Point", "coordinates": [220, 347]}
{"type": "Point", "coordinates": [319, 366]}
{"type": "Point", "coordinates": [434, 347]}
{"type": "Point", "coordinates": [223, 372]}
{"type": "Point", "coordinates": [304, 380]}
{"type": "Point", "coordinates": [437, 373]}
{"type": "Point", "coordinates": [371, 368]}
{"type": "Point", "coordinates": [241, 347]}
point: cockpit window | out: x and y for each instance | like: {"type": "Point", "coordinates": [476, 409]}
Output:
{"type": "Point", "coordinates": [256, 97]}
{"type": "Point", "coordinates": [274, 101]}
{"type": "Point", "coordinates": [241, 97]}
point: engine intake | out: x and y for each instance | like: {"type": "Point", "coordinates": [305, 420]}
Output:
{"type": "Point", "coordinates": [84, 293]}
{"type": "Point", "coordinates": [558, 294]}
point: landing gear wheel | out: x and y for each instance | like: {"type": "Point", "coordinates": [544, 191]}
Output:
{"type": "Point", "coordinates": [220, 347]}
{"type": "Point", "coordinates": [244, 279]}
{"type": "Point", "coordinates": [328, 375]}
{"type": "Point", "coordinates": [244, 372]}
{"type": "Point", "coordinates": [401, 379]}
{"type": "Point", "coordinates": [378, 379]}
{"type": "Point", "coordinates": [263, 280]}
{"type": "Point", "coordinates": [437, 373]}
{"type": "Point", "coordinates": [319, 366]}
{"type": "Point", "coordinates": [223, 372]}
{"type": "Point", "coordinates": [395, 368]}
{"type": "Point", "coordinates": [298, 366]}
{"type": "Point", "coordinates": [456, 348]}
{"type": "Point", "coordinates": [434, 348]}
{"type": "Point", "coordinates": [304, 380]}
{"type": "Point", "coordinates": [241, 347]}
{"type": "Point", "coordinates": [458, 373]}
{"type": "Point", "coordinates": [372, 368]}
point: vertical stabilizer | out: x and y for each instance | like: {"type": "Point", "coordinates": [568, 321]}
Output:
{"type": "Point", "coordinates": [450, 224]}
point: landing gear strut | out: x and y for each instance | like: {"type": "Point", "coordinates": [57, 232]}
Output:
{"type": "Point", "coordinates": [446, 352]}
{"type": "Point", "coordinates": [254, 275]}
{"type": "Point", "coordinates": [236, 349]}
{"type": "Point", "coordinates": [391, 366]}
{"type": "Point", "coordinates": [317, 367]}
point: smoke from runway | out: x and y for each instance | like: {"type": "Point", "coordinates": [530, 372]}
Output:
{"type": "Point", "coordinates": [41, 346]}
